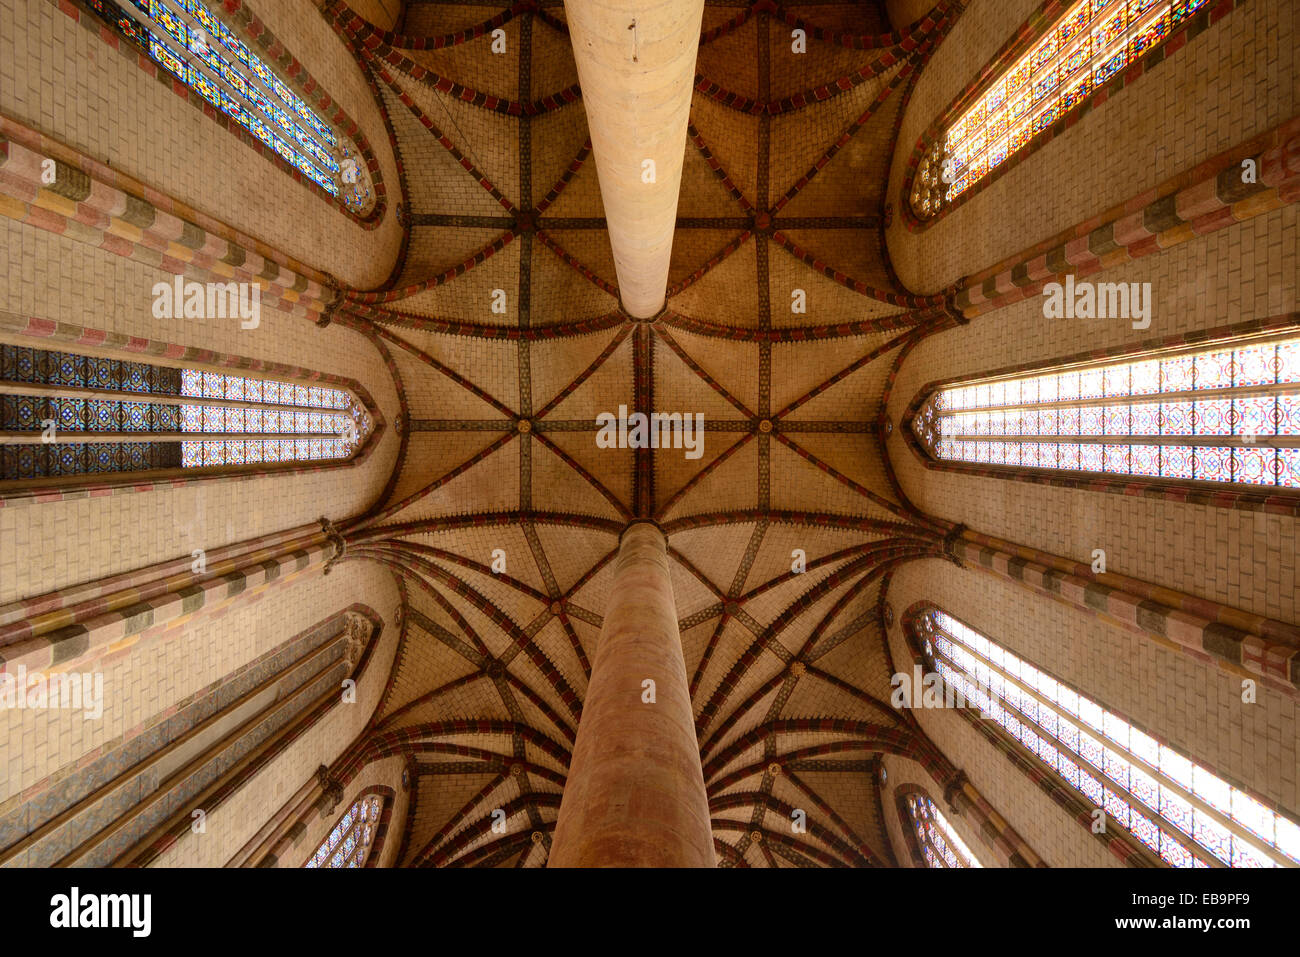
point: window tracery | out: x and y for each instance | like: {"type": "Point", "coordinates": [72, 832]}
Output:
{"type": "Point", "coordinates": [66, 414]}
{"type": "Point", "coordinates": [351, 840]}
{"type": "Point", "coordinates": [1225, 414]}
{"type": "Point", "coordinates": [197, 47]}
{"type": "Point", "coordinates": [1090, 43]}
{"type": "Point", "coordinates": [1179, 809]}
{"type": "Point", "coordinates": [940, 845]}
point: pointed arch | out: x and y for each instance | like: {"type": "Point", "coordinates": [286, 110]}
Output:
{"type": "Point", "coordinates": [164, 779]}
{"type": "Point", "coordinates": [1212, 419]}
{"type": "Point", "coordinates": [195, 44]}
{"type": "Point", "coordinates": [68, 418]}
{"type": "Point", "coordinates": [1151, 797]}
{"type": "Point", "coordinates": [357, 838]}
{"type": "Point", "coordinates": [931, 840]}
{"type": "Point", "coordinates": [1065, 60]}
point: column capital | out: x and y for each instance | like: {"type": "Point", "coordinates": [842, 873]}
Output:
{"type": "Point", "coordinates": [643, 521]}
{"type": "Point", "coordinates": [953, 789]}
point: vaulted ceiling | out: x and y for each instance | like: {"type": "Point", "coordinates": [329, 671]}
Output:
{"type": "Point", "coordinates": [784, 189]}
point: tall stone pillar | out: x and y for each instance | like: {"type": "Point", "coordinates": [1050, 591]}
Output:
{"type": "Point", "coordinates": [636, 66]}
{"type": "Point", "coordinates": [635, 794]}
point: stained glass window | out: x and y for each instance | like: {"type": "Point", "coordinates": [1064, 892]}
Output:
{"type": "Point", "coordinates": [253, 421]}
{"type": "Point", "coordinates": [1227, 414]}
{"type": "Point", "coordinates": [349, 843]}
{"type": "Point", "coordinates": [940, 844]}
{"type": "Point", "coordinates": [65, 414]}
{"type": "Point", "coordinates": [1180, 810]}
{"type": "Point", "coordinates": [1090, 43]}
{"type": "Point", "coordinates": [197, 47]}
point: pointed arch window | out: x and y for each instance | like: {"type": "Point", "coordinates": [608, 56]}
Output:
{"type": "Point", "coordinates": [1078, 54]}
{"type": "Point", "coordinates": [240, 728]}
{"type": "Point", "coordinates": [350, 842]}
{"type": "Point", "coordinates": [63, 414]}
{"type": "Point", "coordinates": [939, 844]}
{"type": "Point", "coordinates": [1179, 809]}
{"type": "Point", "coordinates": [1229, 414]}
{"type": "Point", "coordinates": [196, 46]}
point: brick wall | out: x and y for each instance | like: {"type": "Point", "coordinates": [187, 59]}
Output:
{"type": "Point", "coordinates": [1245, 559]}
{"type": "Point", "coordinates": [63, 79]}
{"type": "Point", "coordinates": [231, 825]}
{"type": "Point", "coordinates": [140, 683]}
{"type": "Point", "coordinates": [1231, 82]}
{"type": "Point", "coordinates": [1191, 706]}
{"type": "Point", "coordinates": [82, 539]}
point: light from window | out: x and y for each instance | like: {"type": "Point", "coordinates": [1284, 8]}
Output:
{"type": "Point", "coordinates": [186, 38]}
{"type": "Point", "coordinates": [1092, 42]}
{"type": "Point", "coordinates": [940, 844]}
{"type": "Point", "coordinates": [349, 844]}
{"type": "Point", "coordinates": [1230, 414]}
{"type": "Point", "coordinates": [63, 414]}
{"type": "Point", "coordinates": [1177, 808]}
{"type": "Point", "coordinates": [261, 420]}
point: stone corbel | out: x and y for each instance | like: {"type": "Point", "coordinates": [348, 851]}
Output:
{"type": "Point", "coordinates": [336, 301]}
{"type": "Point", "coordinates": [952, 790]}
{"type": "Point", "coordinates": [950, 544]}
{"type": "Point", "coordinates": [950, 306]}
{"type": "Point", "coordinates": [331, 792]}
{"type": "Point", "coordinates": [336, 539]}
{"type": "Point", "coordinates": [356, 637]}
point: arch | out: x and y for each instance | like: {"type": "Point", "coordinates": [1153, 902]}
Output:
{"type": "Point", "coordinates": [357, 838]}
{"type": "Point", "coordinates": [1217, 415]}
{"type": "Point", "coordinates": [193, 43]}
{"type": "Point", "coordinates": [1065, 60]}
{"type": "Point", "coordinates": [931, 840]}
{"type": "Point", "coordinates": [1147, 794]}
{"type": "Point", "coordinates": [182, 763]}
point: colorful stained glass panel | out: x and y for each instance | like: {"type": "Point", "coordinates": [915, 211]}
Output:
{"type": "Point", "coordinates": [1088, 45]}
{"type": "Point", "coordinates": [1219, 394]}
{"type": "Point", "coordinates": [1126, 771]}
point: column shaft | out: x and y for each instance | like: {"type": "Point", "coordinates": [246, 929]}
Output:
{"type": "Point", "coordinates": [636, 66]}
{"type": "Point", "coordinates": [635, 794]}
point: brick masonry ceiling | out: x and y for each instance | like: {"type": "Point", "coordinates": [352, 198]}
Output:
{"type": "Point", "coordinates": [783, 326]}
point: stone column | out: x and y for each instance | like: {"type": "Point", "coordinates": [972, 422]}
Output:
{"type": "Point", "coordinates": [636, 66]}
{"type": "Point", "coordinates": [635, 794]}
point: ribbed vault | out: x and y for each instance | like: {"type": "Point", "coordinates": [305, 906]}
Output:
{"type": "Point", "coordinates": [503, 328]}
